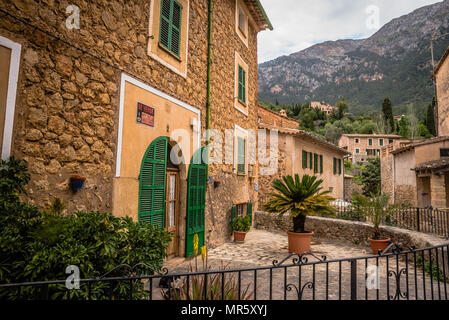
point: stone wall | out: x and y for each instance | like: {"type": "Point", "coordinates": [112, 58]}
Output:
{"type": "Point", "coordinates": [442, 84]}
{"type": "Point", "coordinates": [353, 231]}
{"type": "Point", "coordinates": [273, 118]}
{"type": "Point", "coordinates": [405, 193]}
{"type": "Point", "coordinates": [68, 100]}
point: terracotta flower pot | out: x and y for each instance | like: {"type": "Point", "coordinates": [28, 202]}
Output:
{"type": "Point", "coordinates": [379, 244]}
{"type": "Point", "coordinates": [239, 236]}
{"type": "Point", "coordinates": [299, 242]}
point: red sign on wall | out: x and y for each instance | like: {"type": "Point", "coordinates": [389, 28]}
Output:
{"type": "Point", "coordinates": [145, 114]}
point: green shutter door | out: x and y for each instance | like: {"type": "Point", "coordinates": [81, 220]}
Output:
{"type": "Point", "coordinates": [152, 183]}
{"type": "Point", "coordinates": [249, 210]}
{"type": "Point", "coordinates": [196, 201]}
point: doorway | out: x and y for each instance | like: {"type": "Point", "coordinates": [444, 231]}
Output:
{"type": "Point", "coordinates": [172, 210]}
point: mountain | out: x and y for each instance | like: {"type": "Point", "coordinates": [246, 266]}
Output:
{"type": "Point", "coordinates": [395, 62]}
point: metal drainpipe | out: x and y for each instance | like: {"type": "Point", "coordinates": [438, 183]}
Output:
{"type": "Point", "coordinates": [209, 65]}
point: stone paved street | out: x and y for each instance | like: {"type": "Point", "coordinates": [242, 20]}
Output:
{"type": "Point", "coordinates": [262, 247]}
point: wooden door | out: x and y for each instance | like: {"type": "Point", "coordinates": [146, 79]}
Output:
{"type": "Point", "coordinates": [171, 205]}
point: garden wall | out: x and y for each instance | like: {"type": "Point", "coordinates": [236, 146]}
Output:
{"type": "Point", "coordinates": [354, 231]}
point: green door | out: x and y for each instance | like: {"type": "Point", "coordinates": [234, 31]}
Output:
{"type": "Point", "coordinates": [152, 183]}
{"type": "Point", "coordinates": [196, 201]}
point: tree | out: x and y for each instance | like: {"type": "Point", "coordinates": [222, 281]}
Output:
{"type": "Point", "coordinates": [370, 176]}
{"type": "Point", "coordinates": [404, 130]}
{"type": "Point", "coordinates": [342, 106]}
{"type": "Point", "coordinates": [430, 117]}
{"type": "Point", "coordinates": [387, 112]}
{"type": "Point", "coordinates": [332, 133]}
{"type": "Point", "coordinates": [300, 197]}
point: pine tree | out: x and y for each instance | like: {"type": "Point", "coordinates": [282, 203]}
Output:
{"type": "Point", "coordinates": [387, 111]}
{"type": "Point", "coordinates": [430, 119]}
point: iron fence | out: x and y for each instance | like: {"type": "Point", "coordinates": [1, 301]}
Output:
{"type": "Point", "coordinates": [427, 220]}
{"type": "Point", "coordinates": [395, 274]}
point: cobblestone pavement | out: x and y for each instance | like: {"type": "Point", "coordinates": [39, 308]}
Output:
{"type": "Point", "coordinates": [320, 280]}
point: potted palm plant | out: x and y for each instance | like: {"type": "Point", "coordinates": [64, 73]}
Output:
{"type": "Point", "coordinates": [240, 227]}
{"type": "Point", "coordinates": [299, 197]}
{"type": "Point", "coordinates": [376, 209]}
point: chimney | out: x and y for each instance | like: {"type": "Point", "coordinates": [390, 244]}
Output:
{"type": "Point", "coordinates": [283, 113]}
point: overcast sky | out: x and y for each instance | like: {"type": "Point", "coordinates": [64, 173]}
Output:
{"type": "Point", "coordinates": [298, 24]}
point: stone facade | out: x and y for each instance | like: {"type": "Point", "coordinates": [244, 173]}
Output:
{"type": "Point", "coordinates": [325, 107]}
{"type": "Point", "coordinates": [67, 112]}
{"type": "Point", "coordinates": [291, 144]}
{"type": "Point", "coordinates": [442, 92]}
{"type": "Point", "coordinates": [359, 145]}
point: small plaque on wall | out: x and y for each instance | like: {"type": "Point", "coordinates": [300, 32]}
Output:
{"type": "Point", "coordinates": [145, 114]}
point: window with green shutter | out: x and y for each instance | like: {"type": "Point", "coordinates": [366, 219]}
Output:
{"type": "Point", "coordinates": [240, 155]}
{"type": "Point", "coordinates": [370, 141]}
{"type": "Point", "coordinates": [170, 28]}
{"type": "Point", "coordinates": [321, 164]}
{"type": "Point", "coordinates": [335, 165]}
{"type": "Point", "coordinates": [381, 142]}
{"type": "Point", "coordinates": [304, 159]}
{"type": "Point", "coordinates": [242, 85]}
{"type": "Point", "coordinates": [315, 163]}
{"type": "Point", "coordinates": [339, 166]}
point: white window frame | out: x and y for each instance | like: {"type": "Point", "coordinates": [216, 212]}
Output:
{"type": "Point", "coordinates": [245, 135]}
{"type": "Point", "coordinates": [239, 59]}
{"type": "Point", "coordinates": [11, 94]}
{"type": "Point", "coordinates": [239, 7]}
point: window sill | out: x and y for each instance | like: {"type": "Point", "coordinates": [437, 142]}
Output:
{"type": "Point", "coordinates": [169, 52]}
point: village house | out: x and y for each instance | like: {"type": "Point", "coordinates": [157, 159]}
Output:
{"type": "Point", "coordinates": [301, 152]}
{"type": "Point", "coordinates": [364, 146]}
{"type": "Point", "coordinates": [323, 106]}
{"type": "Point", "coordinates": [418, 171]}
{"type": "Point", "coordinates": [114, 97]}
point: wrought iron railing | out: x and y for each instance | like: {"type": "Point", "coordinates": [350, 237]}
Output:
{"type": "Point", "coordinates": [427, 220]}
{"type": "Point", "coordinates": [395, 274]}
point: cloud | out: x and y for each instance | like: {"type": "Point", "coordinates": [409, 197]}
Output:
{"type": "Point", "coordinates": [298, 24]}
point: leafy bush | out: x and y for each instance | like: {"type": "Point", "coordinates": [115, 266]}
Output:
{"type": "Point", "coordinates": [242, 224]}
{"type": "Point", "coordinates": [38, 246]}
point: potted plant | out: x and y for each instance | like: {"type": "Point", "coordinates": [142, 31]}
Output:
{"type": "Point", "coordinates": [300, 197]}
{"type": "Point", "coordinates": [376, 209]}
{"type": "Point", "coordinates": [241, 226]}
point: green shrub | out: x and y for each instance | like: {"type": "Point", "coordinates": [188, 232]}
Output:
{"type": "Point", "coordinates": [242, 224]}
{"type": "Point", "coordinates": [38, 246]}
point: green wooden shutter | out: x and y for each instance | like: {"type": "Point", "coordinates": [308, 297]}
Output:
{"type": "Point", "coordinates": [152, 182]}
{"type": "Point", "coordinates": [240, 155]}
{"type": "Point", "coordinates": [310, 160]}
{"type": "Point", "coordinates": [249, 210]}
{"type": "Point", "coordinates": [170, 27]}
{"type": "Point", "coordinates": [321, 164]}
{"type": "Point", "coordinates": [381, 142]}
{"type": "Point", "coordinates": [196, 201]}
{"type": "Point", "coordinates": [233, 214]}
{"type": "Point", "coordinates": [304, 159]}
{"type": "Point", "coordinates": [241, 84]}
{"type": "Point", "coordinates": [335, 165]}
{"type": "Point", "coordinates": [315, 163]}
{"type": "Point", "coordinates": [339, 166]}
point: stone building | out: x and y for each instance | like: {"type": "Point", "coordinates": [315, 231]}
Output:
{"type": "Point", "coordinates": [323, 106]}
{"type": "Point", "coordinates": [364, 146]}
{"type": "Point", "coordinates": [418, 171]}
{"type": "Point", "coordinates": [117, 92]}
{"type": "Point", "coordinates": [441, 75]}
{"type": "Point", "coordinates": [300, 152]}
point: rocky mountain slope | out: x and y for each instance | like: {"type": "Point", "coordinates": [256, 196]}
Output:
{"type": "Point", "coordinates": [394, 62]}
